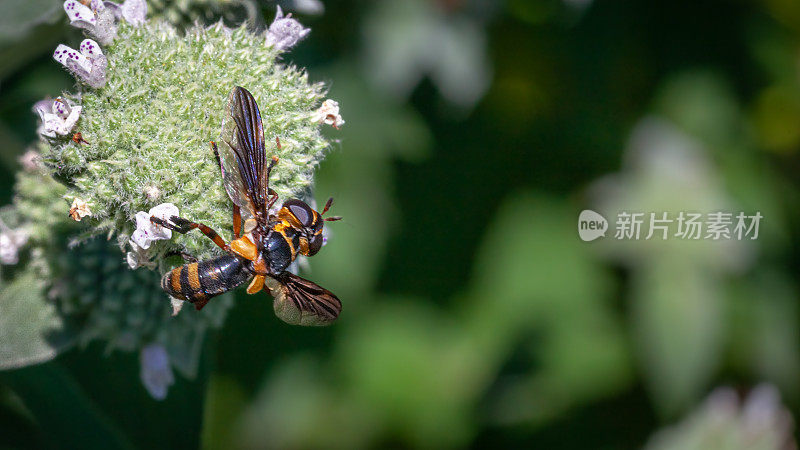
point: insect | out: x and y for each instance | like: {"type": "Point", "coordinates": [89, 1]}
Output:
{"type": "Point", "coordinates": [264, 244]}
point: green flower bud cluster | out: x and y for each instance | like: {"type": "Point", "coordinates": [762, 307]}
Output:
{"type": "Point", "coordinates": [95, 292]}
{"type": "Point", "coordinates": [126, 309]}
{"type": "Point", "coordinates": [148, 129]}
{"type": "Point", "coordinates": [148, 101]}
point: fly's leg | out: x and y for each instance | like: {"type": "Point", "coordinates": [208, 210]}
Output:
{"type": "Point", "coordinates": [183, 226]}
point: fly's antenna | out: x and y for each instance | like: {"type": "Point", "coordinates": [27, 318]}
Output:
{"type": "Point", "coordinates": [327, 207]}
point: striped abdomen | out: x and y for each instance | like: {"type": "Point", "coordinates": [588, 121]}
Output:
{"type": "Point", "coordinates": [197, 282]}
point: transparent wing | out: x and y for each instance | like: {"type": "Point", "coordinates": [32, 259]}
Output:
{"type": "Point", "coordinates": [242, 151]}
{"type": "Point", "coordinates": [233, 181]}
{"type": "Point", "coordinates": [301, 302]}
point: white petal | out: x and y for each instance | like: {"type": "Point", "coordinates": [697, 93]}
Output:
{"type": "Point", "coordinates": [141, 238]}
{"type": "Point", "coordinates": [43, 107]}
{"type": "Point", "coordinates": [134, 11]}
{"type": "Point", "coordinates": [90, 49]}
{"type": "Point", "coordinates": [64, 54]}
{"type": "Point", "coordinates": [72, 119]}
{"type": "Point", "coordinates": [142, 220]}
{"type": "Point", "coordinates": [52, 123]}
{"type": "Point", "coordinates": [157, 232]}
{"type": "Point", "coordinates": [177, 305]}
{"type": "Point", "coordinates": [78, 12]}
{"type": "Point", "coordinates": [132, 259]}
{"type": "Point", "coordinates": [60, 108]}
{"type": "Point", "coordinates": [164, 211]}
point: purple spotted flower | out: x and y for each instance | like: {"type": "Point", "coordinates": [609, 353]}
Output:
{"type": "Point", "coordinates": [80, 15]}
{"type": "Point", "coordinates": [88, 64]}
{"type": "Point", "coordinates": [100, 18]}
{"type": "Point", "coordinates": [58, 117]}
{"type": "Point", "coordinates": [285, 32]}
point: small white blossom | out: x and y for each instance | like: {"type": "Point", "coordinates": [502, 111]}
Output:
{"type": "Point", "coordinates": [147, 231]}
{"type": "Point", "coordinates": [328, 113]}
{"type": "Point", "coordinates": [94, 18]}
{"type": "Point", "coordinates": [133, 11]}
{"type": "Point", "coordinates": [89, 63]}
{"type": "Point", "coordinates": [10, 243]}
{"type": "Point", "coordinates": [79, 209]}
{"type": "Point", "coordinates": [138, 257]}
{"type": "Point", "coordinates": [58, 117]}
{"type": "Point", "coordinates": [100, 18]}
{"type": "Point", "coordinates": [80, 15]}
{"type": "Point", "coordinates": [285, 32]}
{"type": "Point", "coordinates": [155, 372]}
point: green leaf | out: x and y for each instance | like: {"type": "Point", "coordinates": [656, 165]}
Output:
{"type": "Point", "coordinates": [30, 330]}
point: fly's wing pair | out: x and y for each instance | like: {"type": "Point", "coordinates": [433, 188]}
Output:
{"type": "Point", "coordinates": [302, 302]}
{"type": "Point", "coordinates": [243, 154]}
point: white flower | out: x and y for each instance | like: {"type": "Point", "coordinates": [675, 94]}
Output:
{"type": "Point", "coordinates": [133, 11]}
{"type": "Point", "coordinates": [89, 63]}
{"type": "Point", "coordinates": [155, 372]}
{"type": "Point", "coordinates": [10, 243]}
{"type": "Point", "coordinates": [79, 209]}
{"type": "Point", "coordinates": [138, 257]}
{"type": "Point", "coordinates": [285, 32]}
{"type": "Point", "coordinates": [328, 113]}
{"type": "Point", "coordinates": [147, 231]}
{"type": "Point", "coordinates": [94, 18]}
{"type": "Point", "coordinates": [58, 117]}
{"type": "Point", "coordinates": [100, 18]}
{"type": "Point", "coordinates": [80, 15]}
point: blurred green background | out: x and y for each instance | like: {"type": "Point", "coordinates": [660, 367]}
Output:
{"type": "Point", "coordinates": [473, 314]}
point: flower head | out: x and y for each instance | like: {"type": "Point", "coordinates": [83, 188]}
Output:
{"type": "Point", "coordinates": [328, 114]}
{"type": "Point", "coordinates": [147, 231]}
{"type": "Point", "coordinates": [285, 32]}
{"type": "Point", "coordinates": [156, 373]}
{"type": "Point", "coordinates": [79, 210]}
{"type": "Point", "coordinates": [58, 117]}
{"type": "Point", "coordinates": [88, 64]}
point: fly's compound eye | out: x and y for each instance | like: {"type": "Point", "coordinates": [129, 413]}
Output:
{"type": "Point", "coordinates": [314, 244]}
{"type": "Point", "coordinates": [300, 211]}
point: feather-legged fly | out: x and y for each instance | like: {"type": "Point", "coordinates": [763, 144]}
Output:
{"type": "Point", "coordinates": [264, 243]}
